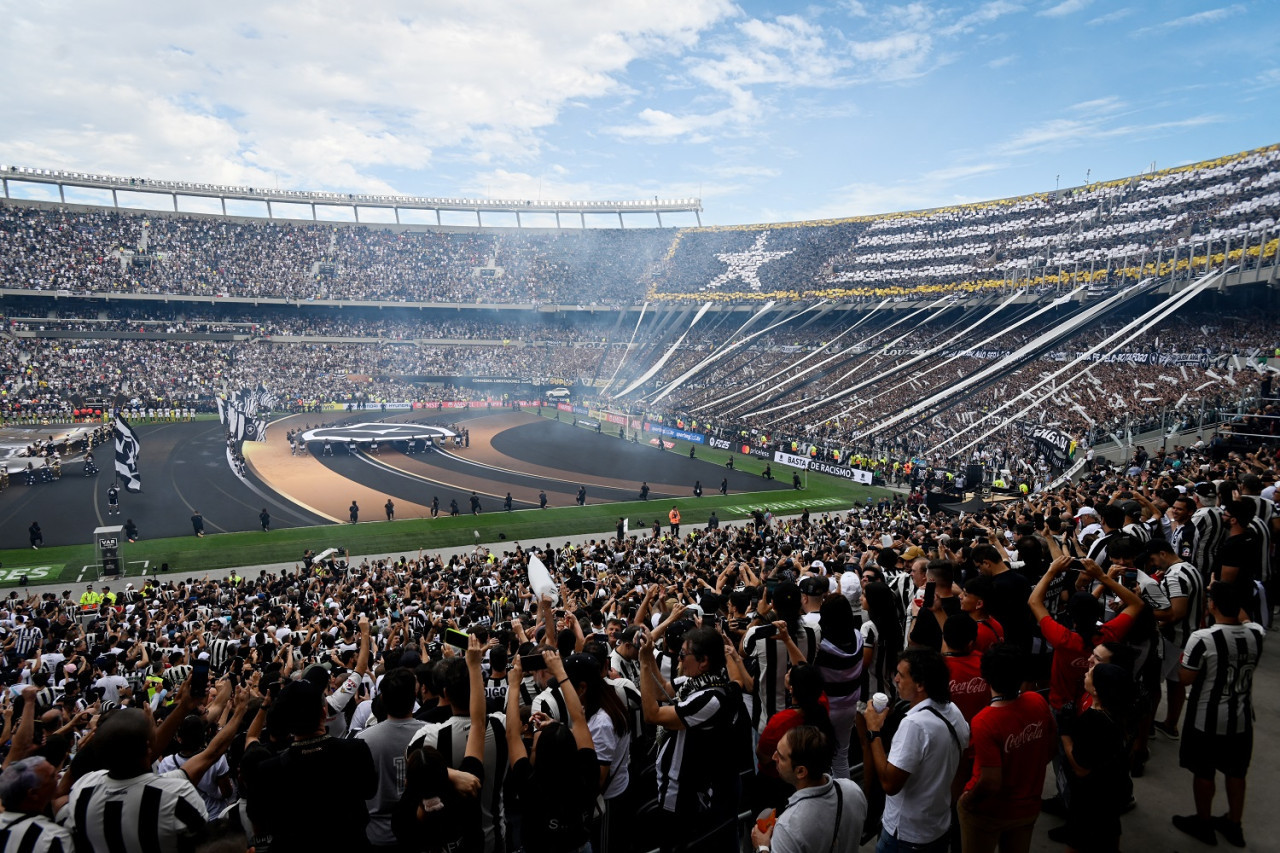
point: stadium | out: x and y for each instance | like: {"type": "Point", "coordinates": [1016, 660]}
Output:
{"type": "Point", "coordinates": [192, 393]}
{"type": "Point", "coordinates": [871, 346]}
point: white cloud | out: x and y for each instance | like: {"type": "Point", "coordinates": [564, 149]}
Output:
{"type": "Point", "coordinates": [1111, 17]}
{"type": "Point", "coordinates": [1060, 133]}
{"type": "Point", "coordinates": [315, 96]}
{"type": "Point", "coordinates": [1002, 61]}
{"type": "Point", "coordinates": [1066, 7]}
{"type": "Point", "coordinates": [1208, 16]}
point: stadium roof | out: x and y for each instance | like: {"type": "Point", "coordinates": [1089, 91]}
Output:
{"type": "Point", "coordinates": [62, 179]}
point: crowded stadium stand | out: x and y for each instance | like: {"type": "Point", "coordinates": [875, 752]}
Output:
{"type": "Point", "coordinates": [166, 307]}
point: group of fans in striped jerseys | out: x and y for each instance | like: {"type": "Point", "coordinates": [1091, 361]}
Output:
{"type": "Point", "coordinates": [670, 687]}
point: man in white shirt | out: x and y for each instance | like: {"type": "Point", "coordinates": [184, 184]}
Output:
{"type": "Point", "coordinates": [916, 773]}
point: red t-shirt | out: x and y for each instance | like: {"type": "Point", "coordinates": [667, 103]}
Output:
{"type": "Point", "coordinates": [968, 689]}
{"type": "Point", "coordinates": [990, 632]}
{"type": "Point", "coordinates": [1071, 656]}
{"type": "Point", "coordinates": [1019, 738]}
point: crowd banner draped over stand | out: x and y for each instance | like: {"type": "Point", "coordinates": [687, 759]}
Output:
{"type": "Point", "coordinates": [770, 390]}
{"type": "Point", "coordinates": [946, 361]}
{"type": "Point", "coordinates": [904, 366]}
{"type": "Point", "coordinates": [648, 374]}
{"type": "Point", "coordinates": [768, 380]}
{"type": "Point", "coordinates": [1125, 333]}
{"type": "Point", "coordinates": [789, 407]}
{"type": "Point", "coordinates": [626, 352]}
{"type": "Point", "coordinates": [1003, 365]}
{"type": "Point", "coordinates": [728, 347]}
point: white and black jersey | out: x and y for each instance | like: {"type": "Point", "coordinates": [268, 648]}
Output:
{"type": "Point", "coordinates": [1210, 532]}
{"type": "Point", "coordinates": [1262, 528]}
{"type": "Point", "coordinates": [26, 833]}
{"type": "Point", "coordinates": [1138, 530]}
{"type": "Point", "coordinates": [450, 738]}
{"type": "Point", "coordinates": [628, 669]}
{"type": "Point", "coordinates": [1182, 540]}
{"type": "Point", "coordinates": [551, 702]}
{"type": "Point", "coordinates": [148, 813]}
{"type": "Point", "coordinates": [26, 640]}
{"type": "Point", "coordinates": [220, 651]}
{"type": "Point", "coordinates": [1224, 658]}
{"type": "Point", "coordinates": [768, 662]}
{"type": "Point", "coordinates": [175, 675]}
{"type": "Point", "coordinates": [1183, 580]}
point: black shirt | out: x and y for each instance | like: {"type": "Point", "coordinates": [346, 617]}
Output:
{"type": "Point", "coordinates": [556, 819]}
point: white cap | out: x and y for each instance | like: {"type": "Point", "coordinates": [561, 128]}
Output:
{"type": "Point", "coordinates": [1088, 530]}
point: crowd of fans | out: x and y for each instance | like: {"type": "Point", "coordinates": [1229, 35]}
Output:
{"type": "Point", "coordinates": [63, 249]}
{"type": "Point", "coordinates": [1105, 233]}
{"type": "Point", "coordinates": [1179, 221]}
{"type": "Point", "coordinates": [657, 688]}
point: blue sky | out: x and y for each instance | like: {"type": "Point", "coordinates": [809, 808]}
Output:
{"type": "Point", "coordinates": [768, 112]}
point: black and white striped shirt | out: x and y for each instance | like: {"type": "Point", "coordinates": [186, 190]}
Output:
{"type": "Point", "coordinates": [1224, 657]}
{"type": "Point", "coordinates": [24, 833]}
{"type": "Point", "coordinates": [1210, 533]}
{"type": "Point", "coordinates": [628, 669]}
{"type": "Point", "coordinates": [770, 664]}
{"type": "Point", "coordinates": [27, 639]}
{"type": "Point", "coordinates": [1183, 580]}
{"type": "Point", "coordinates": [145, 814]}
{"type": "Point", "coordinates": [450, 738]}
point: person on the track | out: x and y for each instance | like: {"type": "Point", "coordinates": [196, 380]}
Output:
{"type": "Point", "coordinates": [113, 500]}
{"type": "Point", "coordinates": [697, 488]}
{"type": "Point", "coordinates": [475, 504]}
{"type": "Point", "coordinates": [36, 536]}
{"type": "Point", "coordinates": [197, 524]}
{"type": "Point", "coordinates": [644, 491]}
{"type": "Point", "coordinates": [506, 503]}
{"type": "Point", "coordinates": [453, 507]}
{"type": "Point", "coordinates": [390, 507]}
{"type": "Point", "coordinates": [582, 495]}
{"type": "Point", "coordinates": [542, 499]}
{"type": "Point", "coordinates": [354, 512]}
{"type": "Point", "coordinates": [724, 486]}
{"type": "Point", "coordinates": [435, 506]}
{"type": "Point", "coordinates": [264, 518]}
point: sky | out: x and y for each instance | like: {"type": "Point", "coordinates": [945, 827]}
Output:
{"type": "Point", "coordinates": [768, 112]}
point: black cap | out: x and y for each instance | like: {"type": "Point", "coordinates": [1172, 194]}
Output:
{"type": "Point", "coordinates": [814, 585]}
{"type": "Point", "coordinates": [787, 597]}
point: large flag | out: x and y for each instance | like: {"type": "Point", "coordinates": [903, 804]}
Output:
{"type": "Point", "coordinates": [240, 413]}
{"type": "Point", "coordinates": [127, 456]}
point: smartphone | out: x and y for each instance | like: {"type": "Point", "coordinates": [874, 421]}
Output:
{"type": "Point", "coordinates": [1131, 578]}
{"type": "Point", "coordinates": [1076, 566]}
{"type": "Point", "coordinates": [929, 592]}
{"type": "Point", "coordinates": [766, 631]}
{"type": "Point", "coordinates": [530, 663]}
{"type": "Point", "coordinates": [457, 639]}
{"type": "Point", "coordinates": [199, 678]}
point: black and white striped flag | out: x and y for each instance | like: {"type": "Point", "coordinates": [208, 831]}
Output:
{"type": "Point", "coordinates": [127, 456]}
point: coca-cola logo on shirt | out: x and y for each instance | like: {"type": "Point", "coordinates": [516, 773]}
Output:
{"type": "Point", "coordinates": [972, 687]}
{"type": "Point", "coordinates": [1032, 733]}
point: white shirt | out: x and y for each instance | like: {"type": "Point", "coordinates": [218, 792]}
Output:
{"type": "Point", "coordinates": [923, 746]}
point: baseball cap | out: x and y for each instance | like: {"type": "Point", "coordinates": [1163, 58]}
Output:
{"type": "Point", "coordinates": [1087, 531]}
{"type": "Point", "coordinates": [814, 586]}
{"type": "Point", "coordinates": [787, 597]}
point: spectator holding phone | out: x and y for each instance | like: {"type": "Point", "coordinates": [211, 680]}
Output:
{"type": "Point", "coordinates": [440, 807]}
{"type": "Point", "coordinates": [557, 780]}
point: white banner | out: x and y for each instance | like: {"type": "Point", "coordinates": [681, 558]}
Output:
{"type": "Point", "coordinates": [801, 462]}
